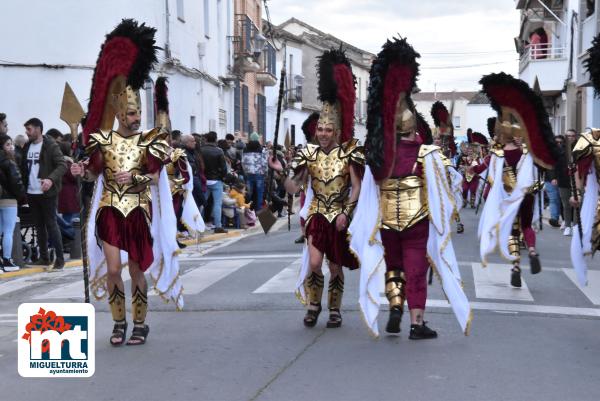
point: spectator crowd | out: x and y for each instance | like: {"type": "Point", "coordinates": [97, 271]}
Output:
{"type": "Point", "coordinates": [37, 190]}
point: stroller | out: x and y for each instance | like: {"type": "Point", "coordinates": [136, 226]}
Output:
{"type": "Point", "coordinates": [29, 237]}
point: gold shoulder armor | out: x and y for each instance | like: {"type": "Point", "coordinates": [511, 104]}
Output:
{"type": "Point", "coordinates": [156, 142]}
{"type": "Point", "coordinates": [353, 150]}
{"type": "Point", "coordinates": [308, 153]}
{"type": "Point", "coordinates": [583, 146]}
{"type": "Point", "coordinates": [96, 140]}
{"type": "Point", "coordinates": [424, 150]}
{"type": "Point", "coordinates": [497, 151]}
{"type": "Point", "coordinates": [177, 154]}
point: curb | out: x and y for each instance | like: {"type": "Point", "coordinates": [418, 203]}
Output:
{"type": "Point", "coordinates": [28, 271]}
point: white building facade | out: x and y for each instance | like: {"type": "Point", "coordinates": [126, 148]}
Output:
{"type": "Point", "coordinates": [300, 44]}
{"type": "Point", "coordinates": [553, 41]}
{"type": "Point", "coordinates": [62, 41]}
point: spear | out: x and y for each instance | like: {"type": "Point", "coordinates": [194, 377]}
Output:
{"type": "Point", "coordinates": [290, 144]}
{"type": "Point", "coordinates": [265, 216]}
{"type": "Point", "coordinates": [71, 112]}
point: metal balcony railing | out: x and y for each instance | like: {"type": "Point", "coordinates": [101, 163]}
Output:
{"type": "Point", "coordinates": [541, 52]}
{"type": "Point", "coordinates": [244, 33]}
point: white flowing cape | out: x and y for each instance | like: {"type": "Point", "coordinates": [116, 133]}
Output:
{"type": "Point", "coordinates": [501, 209]}
{"type": "Point", "coordinates": [191, 216]}
{"type": "Point", "coordinates": [456, 181]}
{"type": "Point", "coordinates": [366, 243]}
{"type": "Point", "coordinates": [164, 270]}
{"type": "Point", "coordinates": [588, 217]}
{"type": "Point", "coordinates": [304, 267]}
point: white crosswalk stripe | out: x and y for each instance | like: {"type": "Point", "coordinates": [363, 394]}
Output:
{"type": "Point", "coordinates": [592, 290]}
{"type": "Point", "coordinates": [492, 282]}
{"type": "Point", "coordinates": [492, 290]}
{"type": "Point", "coordinates": [201, 278]}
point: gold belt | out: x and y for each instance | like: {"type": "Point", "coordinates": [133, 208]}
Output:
{"type": "Point", "coordinates": [125, 203]}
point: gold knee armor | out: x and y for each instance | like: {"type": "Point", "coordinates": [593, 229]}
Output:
{"type": "Point", "coordinates": [313, 284]}
{"type": "Point", "coordinates": [336, 291]}
{"type": "Point", "coordinates": [139, 306]}
{"type": "Point", "coordinates": [116, 300]}
{"type": "Point", "coordinates": [395, 282]}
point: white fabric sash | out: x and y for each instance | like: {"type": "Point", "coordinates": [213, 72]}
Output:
{"type": "Point", "coordinates": [304, 267]}
{"type": "Point", "coordinates": [190, 215]}
{"type": "Point", "coordinates": [588, 217]}
{"type": "Point", "coordinates": [501, 209]}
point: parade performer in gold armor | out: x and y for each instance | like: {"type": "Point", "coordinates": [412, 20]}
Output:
{"type": "Point", "coordinates": [128, 223]}
{"type": "Point", "coordinates": [405, 209]}
{"type": "Point", "coordinates": [331, 170]}
{"type": "Point", "coordinates": [523, 129]}
{"type": "Point", "coordinates": [586, 158]}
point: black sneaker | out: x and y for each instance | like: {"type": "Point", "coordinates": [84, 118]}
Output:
{"type": "Point", "coordinates": [299, 240]}
{"type": "Point", "coordinates": [220, 230]}
{"type": "Point", "coordinates": [393, 324]}
{"type": "Point", "coordinates": [9, 266]}
{"type": "Point", "coordinates": [534, 262]}
{"type": "Point", "coordinates": [57, 266]}
{"type": "Point", "coordinates": [554, 223]}
{"type": "Point", "coordinates": [421, 332]}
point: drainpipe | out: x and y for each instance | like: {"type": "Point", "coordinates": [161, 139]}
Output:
{"type": "Point", "coordinates": [167, 42]}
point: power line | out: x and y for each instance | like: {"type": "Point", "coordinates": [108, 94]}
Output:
{"type": "Point", "coordinates": [462, 53]}
{"type": "Point", "coordinates": [452, 66]}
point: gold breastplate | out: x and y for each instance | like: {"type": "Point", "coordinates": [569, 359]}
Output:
{"type": "Point", "coordinates": [403, 202]}
{"type": "Point", "coordinates": [330, 182]}
{"type": "Point", "coordinates": [123, 154]}
{"type": "Point", "coordinates": [469, 176]}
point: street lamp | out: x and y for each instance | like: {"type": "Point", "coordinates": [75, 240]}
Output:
{"type": "Point", "coordinates": [259, 44]}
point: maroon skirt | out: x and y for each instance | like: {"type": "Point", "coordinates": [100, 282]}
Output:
{"type": "Point", "coordinates": [328, 240]}
{"type": "Point", "coordinates": [130, 234]}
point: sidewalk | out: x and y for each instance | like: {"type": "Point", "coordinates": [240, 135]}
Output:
{"type": "Point", "coordinates": [204, 238]}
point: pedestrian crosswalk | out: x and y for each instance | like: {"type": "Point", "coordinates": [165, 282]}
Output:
{"type": "Point", "coordinates": [486, 287]}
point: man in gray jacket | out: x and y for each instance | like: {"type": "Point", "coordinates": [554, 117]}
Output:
{"type": "Point", "coordinates": [42, 168]}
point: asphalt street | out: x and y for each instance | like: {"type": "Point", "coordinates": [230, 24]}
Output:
{"type": "Point", "coordinates": [241, 337]}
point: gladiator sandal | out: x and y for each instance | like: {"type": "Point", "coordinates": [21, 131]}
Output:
{"type": "Point", "coordinates": [395, 283]}
{"type": "Point", "coordinates": [116, 300]}
{"type": "Point", "coordinates": [139, 309]}
{"type": "Point", "coordinates": [334, 301]}
{"type": "Point", "coordinates": [460, 228]}
{"type": "Point", "coordinates": [313, 284]}
{"type": "Point", "coordinates": [514, 248]}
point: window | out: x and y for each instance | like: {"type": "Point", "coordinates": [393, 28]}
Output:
{"type": "Point", "coordinates": [236, 107]}
{"type": "Point", "coordinates": [206, 20]}
{"type": "Point", "coordinates": [192, 124]}
{"type": "Point", "coordinates": [456, 121]}
{"type": "Point", "coordinates": [245, 126]}
{"type": "Point", "coordinates": [180, 14]}
{"type": "Point", "coordinates": [261, 114]}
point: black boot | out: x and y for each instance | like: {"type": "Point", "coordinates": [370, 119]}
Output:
{"type": "Point", "coordinates": [393, 324]}
{"type": "Point", "coordinates": [421, 332]}
{"type": "Point", "coordinates": [534, 262]}
{"type": "Point", "coordinates": [515, 277]}
{"type": "Point", "coordinates": [8, 265]}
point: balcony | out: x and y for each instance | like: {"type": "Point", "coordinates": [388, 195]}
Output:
{"type": "Point", "coordinates": [248, 45]}
{"type": "Point", "coordinates": [547, 63]}
{"type": "Point", "coordinates": [267, 75]}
